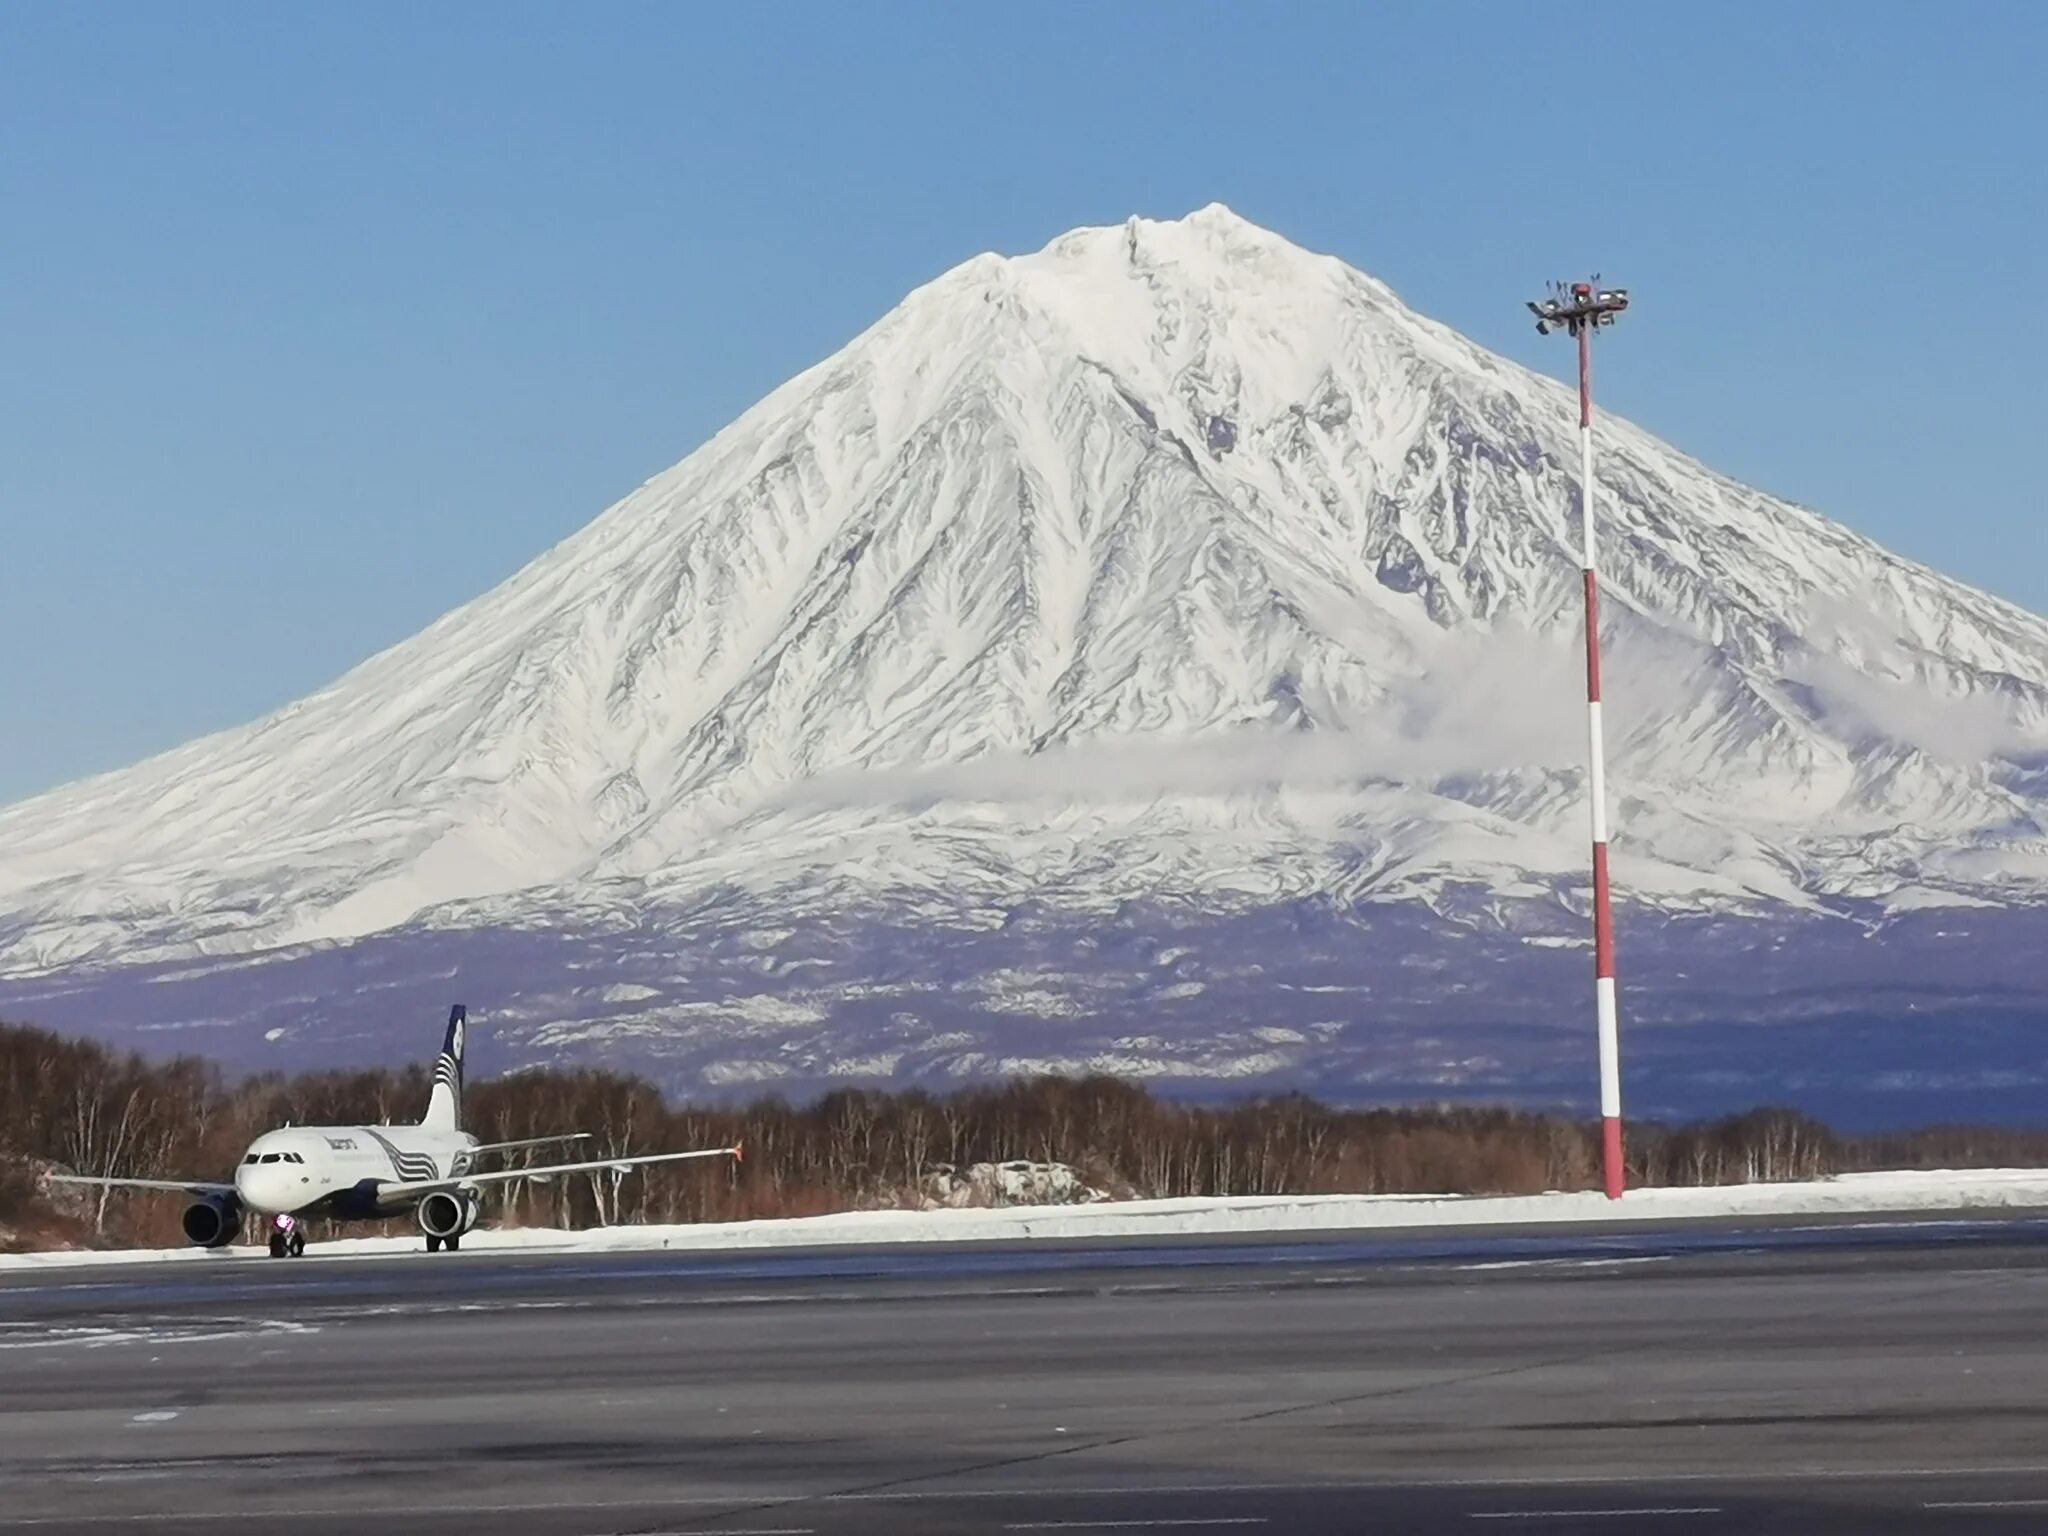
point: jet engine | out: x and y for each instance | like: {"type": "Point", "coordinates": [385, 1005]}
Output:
{"type": "Point", "coordinates": [213, 1222]}
{"type": "Point", "coordinates": [445, 1214]}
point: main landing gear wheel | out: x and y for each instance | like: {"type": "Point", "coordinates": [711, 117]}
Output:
{"type": "Point", "coordinates": [433, 1243]}
{"type": "Point", "coordinates": [436, 1244]}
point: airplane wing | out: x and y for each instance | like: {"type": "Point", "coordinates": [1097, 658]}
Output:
{"type": "Point", "coordinates": [183, 1187]}
{"type": "Point", "coordinates": [531, 1141]}
{"type": "Point", "coordinates": [621, 1164]}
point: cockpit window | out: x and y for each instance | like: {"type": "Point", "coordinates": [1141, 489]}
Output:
{"type": "Point", "coordinates": [251, 1158]}
{"type": "Point", "coordinates": [271, 1157]}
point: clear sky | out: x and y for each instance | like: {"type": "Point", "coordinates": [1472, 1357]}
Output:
{"type": "Point", "coordinates": [316, 323]}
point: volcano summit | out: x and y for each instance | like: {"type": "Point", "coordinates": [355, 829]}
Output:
{"type": "Point", "coordinates": [1153, 654]}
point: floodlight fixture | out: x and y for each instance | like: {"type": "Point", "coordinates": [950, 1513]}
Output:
{"type": "Point", "coordinates": [1575, 307]}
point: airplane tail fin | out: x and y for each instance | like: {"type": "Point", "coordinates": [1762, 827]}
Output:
{"type": "Point", "coordinates": [444, 1104]}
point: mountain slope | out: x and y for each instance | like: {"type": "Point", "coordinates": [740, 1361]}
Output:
{"type": "Point", "coordinates": [1171, 563]}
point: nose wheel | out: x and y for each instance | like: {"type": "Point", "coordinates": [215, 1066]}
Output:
{"type": "Point", "coordinates": [287, 1247]}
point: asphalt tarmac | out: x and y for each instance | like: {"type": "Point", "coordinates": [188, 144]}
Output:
{"type": "Point", "coordinates": [1858, 1378]}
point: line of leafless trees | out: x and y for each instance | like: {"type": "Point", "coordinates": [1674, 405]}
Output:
{"type": "Point", "coordinates": [78, 1105]}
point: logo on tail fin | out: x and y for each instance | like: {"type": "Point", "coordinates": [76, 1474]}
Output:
{"type": "Point", "coordinates": [451, 1049]}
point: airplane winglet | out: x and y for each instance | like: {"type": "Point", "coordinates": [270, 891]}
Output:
{"type": "Point", "coordinates": [739, 1152]}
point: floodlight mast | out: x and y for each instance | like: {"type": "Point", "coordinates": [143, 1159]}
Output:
{"type": "Point", "coordinates": [1580, 309]}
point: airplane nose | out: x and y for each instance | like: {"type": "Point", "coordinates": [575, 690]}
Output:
{"type": "Point", "coordinates": [261, 1189]}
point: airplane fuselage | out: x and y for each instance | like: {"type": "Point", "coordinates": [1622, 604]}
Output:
{"type": "Point", "coordinates": [343, 1170]}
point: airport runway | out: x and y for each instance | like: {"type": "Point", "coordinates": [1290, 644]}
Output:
{"type": "Point", "coordinates": [1847, 1379]}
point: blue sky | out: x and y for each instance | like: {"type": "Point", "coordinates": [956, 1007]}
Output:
{"type": "Point", "coordinates": [313, 325]}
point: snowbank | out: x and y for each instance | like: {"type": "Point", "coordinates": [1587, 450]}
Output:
{"type": "Point", "coordinates": [1926, 1193]}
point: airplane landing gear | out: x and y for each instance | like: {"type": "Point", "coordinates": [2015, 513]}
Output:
{"type": "Point", "coordinates": [435, 1244]}
{"type": "Point", "coordinates": [287, 1246]}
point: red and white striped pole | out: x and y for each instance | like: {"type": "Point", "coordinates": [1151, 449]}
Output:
{"type": "Point", "coordinates": [1581, 309]}
{"type": "Point", "coordinates": [1596, 793]}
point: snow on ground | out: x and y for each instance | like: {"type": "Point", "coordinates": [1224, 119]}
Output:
{"type": "Point", "coordinates": [1920, 1193]}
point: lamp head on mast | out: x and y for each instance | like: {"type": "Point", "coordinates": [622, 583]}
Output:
{"type": "Point", "coordinates": [1575, 307]}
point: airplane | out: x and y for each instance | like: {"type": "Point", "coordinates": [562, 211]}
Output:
{"type": "Point", "coordinates": [371, 1172]}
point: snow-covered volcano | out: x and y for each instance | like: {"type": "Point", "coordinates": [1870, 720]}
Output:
{"type": "Point", "coordinates": [1171, 565]}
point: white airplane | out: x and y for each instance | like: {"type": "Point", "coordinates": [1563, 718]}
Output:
{"type": "Point", "coordinates": [371, 1172]}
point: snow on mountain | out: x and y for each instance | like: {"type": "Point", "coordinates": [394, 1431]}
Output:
{"type": "Point", "coordinates": [1172, 564]}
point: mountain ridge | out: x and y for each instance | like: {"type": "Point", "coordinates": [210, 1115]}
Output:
{"type": "Point", "coordinates": [1169, 561]}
